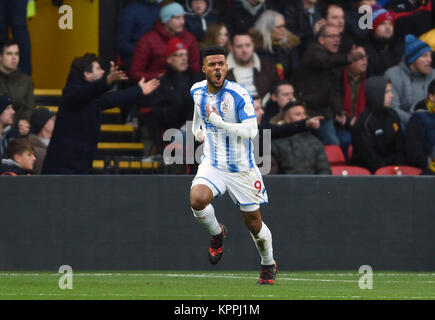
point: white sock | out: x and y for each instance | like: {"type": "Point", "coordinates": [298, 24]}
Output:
{"type": "Point", "coordinates": [263, 242]}
{"type": "Point", "coordinates": [208, 219]}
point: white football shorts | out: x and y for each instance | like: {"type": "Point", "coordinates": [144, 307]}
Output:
{"type": "Point", "coordinates": [245, 188]}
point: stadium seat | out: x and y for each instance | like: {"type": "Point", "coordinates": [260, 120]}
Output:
{"type": "Point", "coordinates": [349, 152]}
{"type": "Point", "coordinates": [349, 171]}
{"type": "Point", "coordinates": [398, 170]}
{"type": "Point", "coordinates": [335, 155]}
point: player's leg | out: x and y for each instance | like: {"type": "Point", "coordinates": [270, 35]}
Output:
{"type": "Point", "coordinates": [205, 186]}
{"type": "Point", "coordinates": [263, 241]}
{"type": "Point", "coordinates": [200, 201]}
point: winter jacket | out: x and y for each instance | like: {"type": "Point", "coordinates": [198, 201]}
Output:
{"type": "Point", "coordinates": [241, 16]}
{"type": "Point", "coordinates": [136, 19]}
{"type": "Point", "coordinates": [408, 88]}
{"type": "Point", "coordinates": [297, 21]}
{"type": "Point", "coordinates": [19, 87]}
{"type": "Point", "coordinates": [9, 167]}
{"type": "Point", "coordinates": [317, 79]}
{"type": "Point", "coordinates": [197, 24]}
{"type": "Point", "coordinates": [76, 131]}
{"type": "Point", "coordinates": [377, 135]}
{"type": "Point", "coordinates": [420, 138]}
{"type": "Point", "coordinates": [383, 54]}
{"type": "Point", "coordinates": [411, 17]}
{"type": "Point", "coordinates": [149, 57]}
{"type": "Point", "coordinates": [301, 153]}
{"type": "Point", "coordinates": [265, 74]}
{"type": "Point", "coordinates": [172, 103]}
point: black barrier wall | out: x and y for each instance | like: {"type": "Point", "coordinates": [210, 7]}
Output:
{"type": "Point", "coordinates": [145, 222]}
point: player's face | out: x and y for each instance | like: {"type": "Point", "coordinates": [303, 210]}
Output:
{"type": "Point", "coordinates": [10, 58]}
{"type": "Point", "coordinates": [215, 68]}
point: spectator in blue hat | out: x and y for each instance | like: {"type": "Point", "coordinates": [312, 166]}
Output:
{"type": "Point", "coordinates": [411, 77]}
{"type": "Point", "coordinates": [149, 57]}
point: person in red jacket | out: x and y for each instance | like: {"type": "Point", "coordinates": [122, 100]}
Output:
{"type": "Point", "coordinates": [149, 57]}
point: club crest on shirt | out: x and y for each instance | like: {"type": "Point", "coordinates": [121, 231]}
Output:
{"type": "Point", "coordinates": [225, 105]}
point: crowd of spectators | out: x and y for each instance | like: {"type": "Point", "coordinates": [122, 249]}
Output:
{"type": "Point", "coordinates": [321, 73]}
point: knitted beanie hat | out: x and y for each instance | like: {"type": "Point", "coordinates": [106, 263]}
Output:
{"type": "Point", "coordinates": [39, 118]}
{"type": "Point", "coordinates": [5, 101]}
{"type": "Point", "coordinates": [414, 48]}
{"type": "Point", "coordinates": [169, 11]}
{"type": "Point", "coordinates": [379, 15]}
{"type": "Point", "coordinates": [174, 45]}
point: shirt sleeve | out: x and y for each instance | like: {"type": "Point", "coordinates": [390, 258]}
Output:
{"type": "Point", "coordinates": [245, 107]}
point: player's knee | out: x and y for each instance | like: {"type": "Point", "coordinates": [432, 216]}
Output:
{"type": "Point", "coordinates": [199, 201]}
{"type": "Point", "coordinates": [254, 226]}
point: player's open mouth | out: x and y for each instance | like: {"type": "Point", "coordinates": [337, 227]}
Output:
{"type": "Point", "coordinates": [218, 76]}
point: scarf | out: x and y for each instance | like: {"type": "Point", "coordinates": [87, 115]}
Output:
{"type": "Point", "coordinates": [347, 99]}
{"type": "Point", "coordinates": [430, 105]}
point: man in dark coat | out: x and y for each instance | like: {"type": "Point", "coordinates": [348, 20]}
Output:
{"type": "Point", "coordinates": [300, 153]}
{"type": "Point", "coordinates": [420, 134]}
{"type": "Point", "coordinates": [301, 17]}
{"type": "Point", "coordinates": [242, 14]}
{"type": "Point", "coordinates": [316, 80]}
{"type": "Point", "coordinates": [377, 136]}
{"type": "Point", "coordinates": [7, 132]}
{"type": "Point", "coordinates": [77, 127]}
{"type": "Point", "coordinates": [171, 103]}
{"type": "Point", "coordinates": [384, 48]}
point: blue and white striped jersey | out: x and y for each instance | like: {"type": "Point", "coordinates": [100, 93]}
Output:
{"type": "Point", "coordinates": [234, 103]}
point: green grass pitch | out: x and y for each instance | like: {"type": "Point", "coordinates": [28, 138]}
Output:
{"type": "Point", "coordinates": [222, 285]}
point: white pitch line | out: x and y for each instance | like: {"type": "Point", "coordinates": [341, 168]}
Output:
{"type": "Point", "coordinates": [184, 296]}
{"type": "Point", "coordinates": [223, 274]}
{"type": "Point", "coordinates": [227, 276]}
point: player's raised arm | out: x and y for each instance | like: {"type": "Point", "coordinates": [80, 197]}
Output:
{"type": "Point", "coordinates": [246, 129]}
